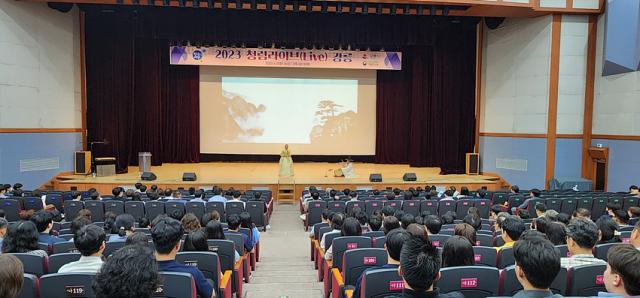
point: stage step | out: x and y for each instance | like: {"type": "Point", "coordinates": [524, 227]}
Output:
{"type": "Point", "coordinates": [286, 190]}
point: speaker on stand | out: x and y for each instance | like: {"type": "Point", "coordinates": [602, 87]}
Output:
{"type": "Point", "coordinates": [472, 164]}
{"type": "Point", "coordinates": [82, 162]}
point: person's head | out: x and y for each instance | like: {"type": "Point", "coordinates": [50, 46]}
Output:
{"type": "Point", "coordinates": [514, 189]}
{"type": "Point", "coordinates": [131, 271]}
{"type": "Point", "coordinates": [90, 240]}
{"type": "Point", "coordinates": [607, 227]}
{"type": "Point", "coordinates": [457, 251]}
{"type": "Point", "coordinates": [11, 276]}
{"type": "Point", "coordinates": [474, 211]}
{"type": "Point", "coordinates": [433, 224]}
{"type": "Point", "coordinates": [375, 223]}
{"type": "Point", "coordinates": [177, 214]}
{"type": "Point", "coordinates": [192, 191]}
{"type": "Point", "coordinates": [541, 208]}
{"type": "Point", "coordinates": [143, 222]}
{"type": "Point", "coordinates": [557, 233]}
{"type": "Point", "coordinates": [512, 228]}
{"type": "Point", "coordinates": [353, 195]}
{"type": "Point", "coordinates": [326, 215]}
{"type": "Point", "coordinates": [481, 193]}
{"type": "Point", "coordinates": [315, 195]}
{"type": "Point", "coordinates": [494, 211]}
{"type": "Point", "coordinates": [473, 220]}
{"type": "Point", "coordinates": [245, 220]}
{"type": "Point", "coordinates": [535, 193]}
{"type": "Point", "coordinates": [286, 146]}
{"type": "Point", "coordinates": [537, 261]}
{"type": "Point", "coordinates": [387, 211]}
{"type": "Point", "coordinates": [611, 207]}
{"type": "Point", "coordinates": [117, 191]}
{"type": "Point", "coordinates": [407, 195]}
{"type": "Point", "coordinates": [209, 216]}
{"type": "Point", "coordinates": [43, 221]}
{"type": "Point", "coordinates": [125, 223]}
{"type": "Point", "coordinates": [467, 231]}
{"type": "Point", "coordinates": [21, 237]}
{"type": "Point", "coordinates": [390, 223]}
{"type": "Point", "coordinates": [407, 219]}
{"type": "Point", "coordinates": [635, 236]}
{"type": "Point", "coordinates": [75, 195]}
{"type": "Point", "coordinates": [78, 223]}
{"type": "Point", "coordinates": [448, 193]}
{"type": "Point", "coordinates": [215, 230]}
{"type": "Point", "coordinates": [464, 191]}
{"type": "Point", "coordinates": [336, 221]}
{"type": "Point", "coordinates": [394, 242]}
{"type": "Point", "coordinates": [233, 222]}
{"type": "Point", "coordinates": [622, 276]}
{"type": "Point", "coordinates": [94, 195]}
{"type": "Point", "coordinates": [143, 188]}
{"type": "Point", "coordinates": [138, 238]}
{"type": "Point", "coordinates": [236, 195]}
{"type": "Point", "coordinates": [176, 195]}
{"type": "Point", "coordinates": [582, 235]}
{"type": "Point", "coordinates": [419, 264]}
{"type": "Point", "coordinates": [620, 217]}
{"type": "Point", "coordinates": [4, 225]}
{"type": "Point", "coordinates": [582, 212]}
{"type": "Point", "coordinates": [448, 218]}
{"type": "Point", "coordinates": [190, 222]}
{"type": "Point", "coordinates": [196, 241]}
{"type": "Point", "coordinates": [351, 227]}
{"type": "Point", "coordinates": [633, 212]}
{"type": "Point", "coordinates": [633, 189]}
{"type": "Point", "coordinates": [166, 234]}
{"type": "Point", "coordinates": [129, 193]}
{"type": "Point", "coordinates": [551, 214]}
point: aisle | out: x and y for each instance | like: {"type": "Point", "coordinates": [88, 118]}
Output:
{"type": "Point", "coordinates": [284, 268]}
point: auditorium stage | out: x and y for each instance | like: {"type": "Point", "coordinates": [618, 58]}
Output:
{"type": "Point", "coordinates": [241, 175]}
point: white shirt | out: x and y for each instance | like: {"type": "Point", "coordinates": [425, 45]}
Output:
{"type": "Point", "coordinates": [85, 264]}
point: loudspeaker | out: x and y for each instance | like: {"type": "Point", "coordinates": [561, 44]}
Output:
{"type": "Point", "coordinates": [189, 176]}
{"type": "Point", "coordinates": [148, 176]}
{"type": "Point", "coordinates": [472, 164]}
{"type": "Point", "coordinates": [409, 177]}
{"type": "Point", "coordinates": [375, 177]}
{"type": "Point", "coordinates": [82, 162]}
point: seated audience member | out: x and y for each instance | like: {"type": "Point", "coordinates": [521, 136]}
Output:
{"type": "Point", "coordinates": [582, 237]}
{"type": "Point", "coordinates": [391, 197]}
{"type": "Point", "coordinates": [448, 218]}
{"type": "Point", "coordinates": [514, 189]}
{"type": "Point", "coordinates": [77, 224]}
{"type": "Point", "coordinates": [612, 207]}
{"type": "Point", "coordinates": [217, 196]}
{"type": "Point", "coordinates": [448, 195]}
{"type": "Point", "coordinates": [541, 208]}
{"type": "Point", "coordinates": [234, 228]}
{"type": "Point", "coordinates": [466, 231]}
{"type": "Point", "coordinates": [512, 228]}
{"type": "Point", "coordinates": [634, 214]}
{"type": "Point", "coordinates": [634, 191]}
{"type": "Point", "coordinates": [351, 227]}
{"type": "Point", "coordinates": [418, 231]}
{"type": "Point", "coordinates": [362, 219]}
{"type": "Point", "coordinates": [247, 223]}
{"type": "Point", "coordinates": [109, 225]}
{"type": "Point", "coordinates": [473, 220]}
{"type": "Point", "coordinates": [4, 225]}
{"type": "Point", "coordinates": [86, 213]}
{"type": "Point", "coordinates": [540, 224]}
{"type": "Point", "coordinates": [143, 222]}
{"type": "Point", "coordinates": [11, 276]}
{"type": "Point", "coordinates": [214, 230]}
{"type": "Point", "coordinates": [75, 195]}
{"type": "Point", "coordinates": [125, 225]}
{"type": "Point", "coordinates": [620, 217]}
{"type": "Point", "coordinates": [375, 223]}
{"type": "Point", "coordinates": [386, 211]}
{"type": "Point", "coordinates": [196, 241]}
{"type": "Point", "coordinates": [534, 194]}
{"type": "Point", "coordinates": [458, 251]}
{"type": "Point", "coordinates": [563, 218]}
{"type": "Point", "coordinates": [497, 226]}
{"type": "Point", "coordinates": [406, 220]}
{"type": "Point", "coordinates": [129, 272]}
{"type": "Point", "coordinates": [551, 214]}
{"type": "Point", "coordinates": [138, 238]}
{"type": "Point", "coordinates": [557, 233]}
{"type": "Point", "coordinates": [190, 222]}
{"type": "Point", "coordinates": [198, 196]}
{"type": "Point", "coordinates": [607, 230]}
{"type": "Point", "coordinates": [353, 196]}
{"type": "Point", "coordinates": [95, 196]}
{"type": "Point", "coordinates": [537, 264]}
{"type": "Point", "coordinates": [433, 224]}
{"type": "Point", "coordinates": [236, 197]}
{"type": "Point", "coordinates": [44, 223]}
{"type": "Point", "coordinates": [494, 211]}
{"type": "Point", "coordinates": [90, 241]}
{"type": "Point", "coordinates": [419, 268]}
{"type": "Point", "coordinates": [481, 194]}
{"type": "Point", "coordinates": [475, 212]}
{"type": "Point", "coordinates": [118, 193]}
{"type": "Point", "coordinates": [634, 239]}
{"type": "Point", "coordinates": [177, 214]}
{"type": "Point", "coordinates": [622, 277]}
{"type": "Point", "coordinates": [4, 191]}
{"type": "Point", "coordinates": [22, 237]}
{"type": "Point", "coordinates": [166, 234]}
{"type": "Point", "coordinates": [393, 246]}
{"type": "Point", "coordinates": [398, 214]}
{"type": "Point", "coordinates": [464, 193]}
{"type": "Point", "coordinates": [582, 212]}
{"type": "Point", "coordinates": [176, 197]}
{"type": "Point", "coordinates": [389, 224]}
{"type": "Point", "coordinates": [257, 197]}
{"type": "Point", "coordinates": [325, 218]}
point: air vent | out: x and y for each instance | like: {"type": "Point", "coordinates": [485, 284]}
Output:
{"type": "Point", "coordinates": [39, 164]}
{"type": "Point", "coordinates": [511, 164]}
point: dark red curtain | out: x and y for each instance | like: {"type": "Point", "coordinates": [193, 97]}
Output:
{"type": "Point", "coordinates": [136, 101]}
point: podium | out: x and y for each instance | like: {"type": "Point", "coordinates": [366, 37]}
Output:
{"type": "Point", "coordinates": [598, 167]}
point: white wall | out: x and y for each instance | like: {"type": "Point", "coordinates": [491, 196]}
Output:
{"type": "Point", "coordinates": [515, 76]}
{"type": "Point", "coordinates": [39, 66]}
{"type": "Point", "coordinates": [571, 81]}
{"type": "Point", "coordinates": [616, 109]}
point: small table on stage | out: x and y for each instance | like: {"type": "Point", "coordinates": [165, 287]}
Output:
{"type": "Point", "coordinates": [105, 166]}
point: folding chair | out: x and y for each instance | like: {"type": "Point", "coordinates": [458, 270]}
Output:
{"type": "Point", "coordinates": [61, 284]}
{"type": "Point", "coordinates": [485, 256]}
{"type": "Point", "coordinates": [58, 260]}
{"type": "Point", "coordinates": [209, 264]}
{"type": "Point", "coordinates": [585, 280]}
{"type": "Point", "coordinates": [373, 205]}
{"type": "Point", "coordinates": [33, 264]}
{"type": "Point", "coordinates": [96, 208]}
{"type": "Point", "coordinates": [314, 213]}
{"type": "Point", "coordinates": [31, 203]}
{"type": "Point", "coordinates": [568, 205]}
{"type": "Point", "coordinates": [411, 207]}
{"type": "Point", "coordinates": [509, 284]}
{"type": "Point", "coordinates": [216, 206]}
{"type": "Point", "coordinates": [353, 204]}
{"type": "Point", "coordinates": [30, 286]}
{"type": "Point", "coordinates": [63, 247]}
{"type": "Point", "coordinates": [337, 206]}
{"type": "Point", "coordinates": [462, 207]}
{"type": "Point", "coordinates": [471, 281]}
{"type": "Point", "coordinates": [380, 283]}
{"type": "Point", "coordinates": [233, 208]}
{"type": "Point", "coordinates": [176, 284]}
{"type": "Point", "coordinates": [135, 208]}
{"type": "Point", "coordinates": [438, 240]}
{"type": "Point", "coordinates": [601, 250]}
{"type": "Point", "coordinates": [258, 216]}
{"type": "Point", "coordinates": [11, 208]}
{"type": "Point", "coordinates": [484, 206]}
{"type": "Point", "coordinates": [505, 258]}
{"type": "Point", "coordinates": [446, 206]}
{"type": "Point", "coordinates": [71, 209]}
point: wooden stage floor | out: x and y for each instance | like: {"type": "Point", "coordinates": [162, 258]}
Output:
{"type": "Point", "coordinates": [247, 175]}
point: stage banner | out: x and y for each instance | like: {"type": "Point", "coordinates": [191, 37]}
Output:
{"type": "Point", "coordinates": [191, 55]}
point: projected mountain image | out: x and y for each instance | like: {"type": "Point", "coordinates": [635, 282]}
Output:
{"type": "Point", "coordinates": [282, 110]}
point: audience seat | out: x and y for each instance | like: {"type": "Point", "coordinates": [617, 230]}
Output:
{"type": "Point", "coordinates": [471, 281]}
{"type": "Point", "coordinates": [379, 242]}
{"type": "Point", "coordinates": [531, 207]}
{"type": "Point", "coordinates": [96, 208]}
{"type": "Point", "coordinates": [58, 260]}
{"type": "Point", "coordinates": [226, 254]}
{"type": "Point", "coordinates": [568, 205]}
{"type": "Point", "coordinates": [11, 208]}
{"type": "Point", "coordinates": [485, 255]}
{"type": "Point", "coordinates": [484, 239]}
{"type": "Point", "coordinates": [509, 284]}
{"type": "Point", "coordinates": [411, 207]}
{"type": "Point", "coordinates": [114, 206]}
{"type": "Point", "coordinates": [395, 204]}
{"type": "Point", "coordinates": [209, 264]}
{"type": "Point", "coordinates": [380, 283]}
{"type": "Point", "coordinates": [599, 208]}
{"type": "Point", "coordinates": [177, 284]}
{"type": "Point", "coordinates": [355, 204]}
{"type": "Point", "coordinates": [446, 206]}
{"type": "Point", "coordinates": [216, 206]}
{"type": "Point", "coordinates": [55, 200]}
{"type": "Point", "coordinates": [135, 208]}
{"type": "Point", "coordinates": [343, 244]}
{"type": "Point", "coordinates": [67, 285]}
{"type": "Point", "coordinates": [111, 247]}
{"type": "Point", "coordinates": [554, 204]}
{"type": "Point", "coordinates": [505, 258]}
{"type": "Point", "coordinates": [484, 206]}
{"type": "Point", "coordinates": [233, 208]}
{"type": "Point", "coordinates": [33, 264]}
{"type": "Point", "coordinates": [584, 202]}
{"type": "Point", "coordinates": [462, 207]}
{"type": "Point", "coordinates": [585, 280]}
{"type": "Point", "coordinates": [30, 287]}
{"type": "Point", "coordinates": [438, 240]}
{"type": "Point", "coordinates": [314, 212]}
{"type": "Point", "coordinates": [171, 207]}
{"type": "Point", "coordinates": [197, 208]}
{"type": "Point", "coordinates": [31, 203]}
{"type": "Point", "coordinates": [258, 216]}
{"type": "Point", "coordinates": [515, 200]}
{"type": "Point", "coordinates": [337, 206]}
{"type": "Point", "coordinates": [371, 206]}
{"type": "Point", "coordinates": [354, 263]}
{"type": "Point", "coordinates": [629, 202]}
{"type": "Point", "coordinates": [601, 250]}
